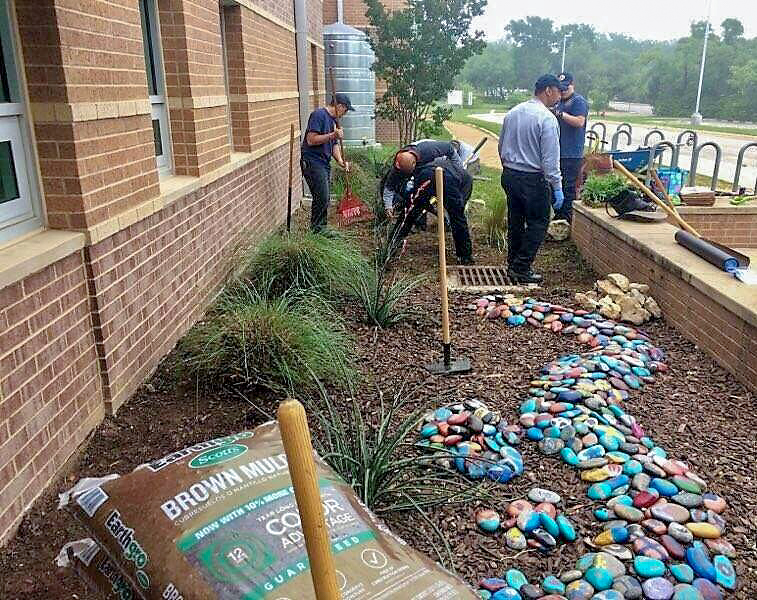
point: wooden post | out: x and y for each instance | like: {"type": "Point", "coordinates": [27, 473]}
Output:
{"type": "Point", "coordinates": [439, 174]}
{"type": "Point", "coordinates": [289, 191]}
{"type": "Point", "coordinates": [295, 434]}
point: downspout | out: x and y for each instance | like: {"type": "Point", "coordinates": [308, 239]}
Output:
{"type": "Point", "coordinates": [340, 11]}
{"type": "Point", "coordinates": [301, 43]}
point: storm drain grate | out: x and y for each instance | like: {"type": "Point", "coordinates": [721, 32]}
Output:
{"type": "Point", "coordinates": [482, 278]}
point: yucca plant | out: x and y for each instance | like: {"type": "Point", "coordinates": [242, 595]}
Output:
{"type": "Point", "coordinates": [281, 343]}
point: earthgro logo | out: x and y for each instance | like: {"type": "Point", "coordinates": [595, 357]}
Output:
{"type": "Point", "coordinates": [217, 456]}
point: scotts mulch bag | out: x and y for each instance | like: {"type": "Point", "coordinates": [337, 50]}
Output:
{"type": "Point", "coordinates": [219, 521]}
{"type": "Point", "coordinates": [86, 558]}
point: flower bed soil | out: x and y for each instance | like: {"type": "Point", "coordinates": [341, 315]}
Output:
{"type": "Point", "coordinates": [697, 411]}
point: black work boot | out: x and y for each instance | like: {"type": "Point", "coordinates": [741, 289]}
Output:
{"type": "Point", "coordinates": [529, 277]}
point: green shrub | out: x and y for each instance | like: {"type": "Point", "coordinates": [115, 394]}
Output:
{"type": "Point", "coordinates": [598, 189]}
{"type": "Point", "coordinates": [302, 261]}
{"type": "Point", "coordinates": [280, 343]}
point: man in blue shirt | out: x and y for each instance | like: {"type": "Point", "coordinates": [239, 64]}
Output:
{"type": "Point", "coordinates": [318, 146]}
{"type": "Point", "coordinates": [571, 112]}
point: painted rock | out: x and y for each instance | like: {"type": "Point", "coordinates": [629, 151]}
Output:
{"type": "Point", "coordinates": [700, 563]}
{"type": "Point", "coordinates": [687, 499]}
{"type": "Point", "coordinates": [604, 560]}
{"type": "Point", "coordinates": [641, 482]}
{"type": "Point", "coordinates": [624, 499]}
{"type": "Point", "coordinates": [546, 507]}
{"type": "Point", "coordinates": [704, 530]}
{"type": "Point", "coordinates": [541, 495]}
{"type": "Point", "coordinates": [500, 472]}
{"type": "Point", "coordinates": [721, 546]}
{"type": "Point", "coordinates": [654, 526]}
{"type": "Point", "coordinates": [552, 585]}
{"type": "Point", "coordinates": [487, 520]}
{"type": "Point", "coordinates": [535, 434]}
{"type": "Point", "coordinates": [670, 512]}
{"type": "Point", "coordinates": [608, 595]}
{"type": "Point", "coordinates": [566, 529]}
{"type": "Point", "coordinates": [616, 535]}
{"type": "Point", "coordinates": [515, 539]}
{"type": "Point", "coordinates": [672, 546]}
{"type": "Point", "coordinates": [665, 487]}
{"type": "Point", "coordinates": [708, 589]}
{"type": "Point", "coordinates": [528, 521]}
{"type": "Point", "coordinates": [648, 567]}
{"type": "Point", "coordinates": [584, 563]}
{"type": "Point", "coordinates": [515, 578]}
{"type": "Point", "coordinates": [516, 320]}
{"type": "Point", "coordinates": [650, 548]}
{"type": "Point", "coordinates": [428, 430]}
{"type": "Point", "coordinates": [591, 452]}
{"type": "Point", "coordinates": [592, 463]}
{"type": "Point", "coordinates": [518, 506]}
{"type": "Point", "coordinates": [530, 592]}
{"type": "Point", "coordinates": [715, 519]}
{"type": "Point", "coordinates": [549, 524]}
{"type": "Point", "coordinates": [684, 591]}
{"type": "Point", "coordinates": [572, 575]}
{"type": "Point", "coordinates": [507, 593]}
{"type": "Point", "coordinates": [579, 590]}
{"type": "Point", "coordinates": [713, 502]}
{"type": "Point", "coordinates": [599, 578]}
{"type": "Point", "coordinates": [618, 551]}
{"type": "Point", "coordinates": [628, 513]}
{"type": "Point", "coordinates": [601, 474]}
{"type": "Point", "coordinates": [550, 445]}
{"type": "Point", "coordinates": [657, 588]}
{"type": "Point", "coordinates": [459, 419]}
{"type": "Point", "coordinates": [618, 457]}
{"type": "Point", "coordinates": [492, 584]}
{"type": "Point", "coordinates": [698, 515]}
{"type": "Point", "coordinates": [645, 499]}
{"type": "Point", "coordinates": [682, 572]}
{"type": "Point", "coordinates": [600, 491]}
{"type": "Point", "coordinates": [628, 586]}
{"type": "Point", "coordinates": [725, 574]}
{"type": "Point", "coordinates": [686, 484]}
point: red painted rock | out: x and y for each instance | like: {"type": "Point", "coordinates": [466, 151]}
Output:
{"type": "Point", "coordinates": [673, 547]}
{"type": "Point", "coordinates": [451, 440]}
{"type": "Point", "coordinates": [510, 523]}
{"type": "Point", "coordinates": [654, 526]}
{"type": "Point", "coordinates": [518, 506]}
{"type": "Point", "coordinates": [645, 499]}
{"type": "Point", "coordinates": [557, 408]}
{"type": "Point", "coordinates": [459, 419]}
{"type": "Point", "coordinates": [546, 507]}
{"type": "Point", "coordinates": [650, 548]}
{"type": "Point", "coordinates": [436, 439]}
{"type": "Point", "coordinates": [443, 428]}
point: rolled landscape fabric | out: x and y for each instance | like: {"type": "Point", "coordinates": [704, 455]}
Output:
{"type": "Point", "coordinates": [712, 254]}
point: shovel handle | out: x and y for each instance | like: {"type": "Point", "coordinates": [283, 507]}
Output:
{"type": "Point", "coordinates": [648, 193]}
{"type": "Point", "coordinates": [347, 186]}
{"type": "Point", "coordinates": [289, 189]}
{"type": "Point", "coordinates": [295, 435]}
{"type": "Point", "coordinates": [439, 175]}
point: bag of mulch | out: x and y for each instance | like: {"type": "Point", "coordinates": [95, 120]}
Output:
{"type": "Point", "coordinates": [219, 521]}
{"type": "Point", "coordinates": [88, 561]}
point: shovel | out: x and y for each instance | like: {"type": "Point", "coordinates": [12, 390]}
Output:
{"type": "Point", "coordinates": [447, 366]}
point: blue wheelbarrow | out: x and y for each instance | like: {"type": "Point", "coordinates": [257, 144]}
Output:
{"type": "Point", "coordinates": [635, 160]}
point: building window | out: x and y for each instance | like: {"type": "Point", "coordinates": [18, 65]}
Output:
{"type": "Point", "coordinates": [19, 194]}
{"type": "Point", "coordinates": [155, 85]}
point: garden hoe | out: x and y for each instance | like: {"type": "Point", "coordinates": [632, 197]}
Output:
{"type": "Point", "coordinates": [447, 366]}
{"type": "Point", "coordinates": [351, 208]}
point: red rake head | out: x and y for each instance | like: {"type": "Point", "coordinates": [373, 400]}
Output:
{"type": "Point", "coordinates": [352, 210]}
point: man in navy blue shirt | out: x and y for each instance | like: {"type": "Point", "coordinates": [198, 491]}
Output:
{"type": "Point", "coordinates": [571, 112]}
{"type": "Point", "coordinates": [318, 146]}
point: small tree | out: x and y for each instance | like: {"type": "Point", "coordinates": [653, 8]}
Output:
{"type": "Point", "coordinates": [419, 52]}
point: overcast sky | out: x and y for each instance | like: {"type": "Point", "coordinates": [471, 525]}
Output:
{"type": "Point", "coordinates": [642, 19]}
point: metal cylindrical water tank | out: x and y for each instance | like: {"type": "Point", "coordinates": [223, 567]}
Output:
{"type": "Point", "coordinates": [349, 53]}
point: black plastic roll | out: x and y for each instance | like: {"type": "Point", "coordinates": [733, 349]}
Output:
{"type": "Point", "coordinates": [713, 255]}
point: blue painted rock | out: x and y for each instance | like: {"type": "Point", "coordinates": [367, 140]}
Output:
{"type": "Point", "coordinates": [507, 593]}
{"type": "Point", "coordinates": [684, 591]}
{"type": "Point", "coordinates": [650, 548]}
{"type": "Point", "coordinates": [725, 574]}
{"type": "Point", "coordinates": [619, 482]}
{"type": "Point", "coordinates": [487, 520]}
{"type": "Point", "coordinates": [566, 529]}
{"type": "Point", "coordinates": [500, 472]}
{"type": "Point", "coordinates": [528, 520]}
{"type": "Point", "coordinates": [515, 578]}
{"type": "Point", "coordinates": [708, 589]}
{"type": "Point", "coordinates": [657, 588]}
{"type": "Point", "coordinates": [599, 578]}
{"type": "Point", "coordinates": [682, 572]}
{"type": "Point", "coordinates": [665, 487]}
{"type": "Point", "coordinates": [569, 457]}
{"type": "Point", "coordinates": [516, 320]}
{"type": "Point", "coordinates": [492, 584]}
{"type": "Point", "coordinates": [579, 590]}
{"type": "Point", "coordinates": [534, 433]}
{"type": "Point", "coordinates": [669, 513]}
{"type": "Point", "coordinates": [600, 491]}
{"type": "Point", "coordinates": [608, 595]}
{"type": "Point", "coordinates": [514, 539]}
{"type": "Point", "coordinates": [648, 567]}
{"type": "Point", "coordinates": [591, 452]}
{"type": "Point", "coordinates": [628, 586]}
{"type": "Point", "coordinates": [700, 563]}
{"type": "Point", "coordinates": [552, 585]}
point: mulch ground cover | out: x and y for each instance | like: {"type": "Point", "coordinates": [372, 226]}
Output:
{"type": "Point", "coordinates": [697, 411]}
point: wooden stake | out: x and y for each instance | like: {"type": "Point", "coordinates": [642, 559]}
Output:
{"type": "Point", "coordinates": [295, 434]}
{"type": "Point", "coordinates": [289, 191]}
{"type": "Point", "coordinates": [439, 174]}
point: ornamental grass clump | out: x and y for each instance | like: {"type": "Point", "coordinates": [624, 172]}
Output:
{"type": "Point", "coordinates": [284, 343]}
{"type": "Point", "coordinates": [494, 221]}
{"type": "Point", "coordinates": [285, 263]}
{"type": "Point", "coordinates": [598, 189]}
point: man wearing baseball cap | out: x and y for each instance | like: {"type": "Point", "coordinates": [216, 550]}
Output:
{"type": "Point", "coordinates": [318, 146]}
{"type": "Point", "coordinates": [529, 147]}
{"type": "Point", "coordinates": [571, 112]}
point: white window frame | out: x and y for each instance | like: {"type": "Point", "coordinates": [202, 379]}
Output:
{"type": "Point", "coordinates": [158, 104]}
{"type": "Point", "coordinates": [22, 214]}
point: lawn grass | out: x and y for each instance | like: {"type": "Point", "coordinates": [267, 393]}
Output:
{"type": "Point", "coordinates": [675, 124]}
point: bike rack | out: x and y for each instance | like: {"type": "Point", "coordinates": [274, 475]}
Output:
{"type": "Point", "coordinates": [625, 126]}
{"type": "Point", "coordinates": [603, 139]}
{"type": "Point", "coordinates": [692, 141]}
{"type": "Point", "coordinates": [650, 134]}
{"type": "Point", "coordinates": [653, 153]}
{"type": "Point", "coordinates": [591, 137]}
{"type": "Point", "coordinates": [695, 162]}
{"type": "Point", "coordinates": [616, 135]}
{"type": "Point", "coordinates": [739, 164]}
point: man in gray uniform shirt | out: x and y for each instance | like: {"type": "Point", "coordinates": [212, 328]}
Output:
{"type": "Point", "coordinates": [529, 147]}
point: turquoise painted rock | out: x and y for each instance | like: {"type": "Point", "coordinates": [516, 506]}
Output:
{"type": "Point", "coordinates": [552, 585]}
{"type": "Point", "coordinates": [682, 572]}
{"type": "Point", "coordinates": [516, 320]}
{"type": "Point", "coordinates": [528, 520]}
{"type": "Point", "coordinates": [700, 563]}
{"type": "Point", "coordinates": [600, 491]}
{"type": "Point", "coordinates": [549, 524]}
{"type": "Point", "coordinates": [584, 563]}
{"type": "Point", "coordinates": [569, 456]}
{"type": "Point", "coordinates": [579, 590]}
{"type": "Point", "coordinates": [663, 486]}
{"type": "Point", "coordinates": [628, 586]}
{"type": "Point", "coordinates": [515, 579]}
{"type": "Point", "coordinates": [484, 594]}
{"type": "Point", "coordinates": [725, 574]}
{"type": "Point", "coordinates": [428, 430]}
{"type": "Point", "coordinates": [604, 514]}
{"type": "Point", "coordinates": [507, 593]}
{"type": "Point", "coordinates": [648, 567]}
{"type": "Point", "coordinates": [566, 529]}
{"type": "Point", "coordinates": [708, 589]}
{"type": "Point", "coordinates": [535, 434]}
{"type": "Point", "coordinates": [684, 591]}
{"type": "Point", "coordinates": [657, 588]}
{"type": "Point", "coordinates": [599, 578]}
{"type": "Point", "coordinates": [487, 520]}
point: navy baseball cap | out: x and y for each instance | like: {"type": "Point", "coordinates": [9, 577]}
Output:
{"type": "Point", "coordinates": [565, 80]}
{"type": "Point", "coordinates": [546, 81]}
{"type": "Point", "coordinates": [344, 99]}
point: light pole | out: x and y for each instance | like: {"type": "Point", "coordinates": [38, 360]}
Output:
{"type": "Point", "coordinates": [564, 42]}
{"type": "Point", "coordinates": [696, 118]}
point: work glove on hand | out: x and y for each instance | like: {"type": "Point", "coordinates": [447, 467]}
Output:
{"type": "Point", "coordinates": [559, 198]}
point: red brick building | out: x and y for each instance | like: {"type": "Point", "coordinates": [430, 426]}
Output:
{"type": "Point", "coordinates": [353, 13]}
{"type": "Point", "coordinates": [138, 140]}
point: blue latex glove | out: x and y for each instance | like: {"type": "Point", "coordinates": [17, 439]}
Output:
{"type": "Point", "coordinates": [559, 199]}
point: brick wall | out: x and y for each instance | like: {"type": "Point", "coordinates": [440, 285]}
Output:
{"type": "Point", "coordinates": [738, 229]}
{"type": "Point", "coordinates": [715, 328]}
{"type": "Point", "coordinates": [50, 391]}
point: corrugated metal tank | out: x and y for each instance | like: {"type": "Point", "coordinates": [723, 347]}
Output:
{"type": "Point", "coordinates": [349, 53]}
